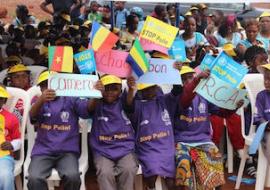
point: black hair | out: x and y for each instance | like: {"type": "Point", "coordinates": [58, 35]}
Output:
{"type": "Point", "coordinates": [251, 52]}
{"type": "Point", "coordinates": [12, 49]}
{"type": "Point", "coordinates": [23, 9]}
{"type": "Point", "coordinates": [30, 32]}
{"type": "Point", "coordinates": [159, 9]}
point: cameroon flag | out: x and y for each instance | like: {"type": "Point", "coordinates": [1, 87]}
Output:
{"type": "Point", "coordinates": [61, 59]}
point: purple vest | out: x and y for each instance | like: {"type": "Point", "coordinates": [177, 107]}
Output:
{"type": "Point", "coordinates": [263, 107]}
{"type": "Point", "coordinates": [58, 130]}
{"type": "Point", "coordinates": [192, 124]}
{"type": "Point", "coordinates": [112, 135]}
{"type": "Point", "coordinates": [154, 138]}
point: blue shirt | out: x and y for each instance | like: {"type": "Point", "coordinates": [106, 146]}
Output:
{"type": "Point", "coordinates": [120, 18]}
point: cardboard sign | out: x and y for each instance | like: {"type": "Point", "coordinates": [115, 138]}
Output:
{"type": "Point", "coordinates": [113, 62]}
{"type": "Point", "coordinates": [161, 71]}
{"type": "Point", "coordinates": [158, 32]}
{"type": "Point", "coordinates": [76, 85]}
{"type": "Point", "coordinates": [207, 62]}
{"type": "Point", "coordinates": [228, 70]}
{"type": "Point", "coordinates": [150, 46]}
{"type": "Point", "coordinates": [178, 50]}
{"type": "Point", "coordinates": [85, 61]}
{"type": "Point", "coordinates": [220, 93]}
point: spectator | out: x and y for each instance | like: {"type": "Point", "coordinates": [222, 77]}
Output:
{"type": "Point", "coordinates": [121, 14]}
{"type": "Point", "coordinates": [23, 17]}
{"type": "Point", "coordinates": [264, 34]}
{"type": "Point", "coordinates": [94, 14]}
{"type": "Point", "coordinates": [160, 13]}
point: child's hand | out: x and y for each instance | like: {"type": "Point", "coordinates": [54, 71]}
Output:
{"type": "Point", "coordinates": [48, 95]}
{"type": "Point", "coordinates": [6, 146]}
{"type": "Point", "coordinates": [177, 65]}
{"type": "Point", "coordinates": [204, 74]}
{"type": "Point", "coordinates": [99, 86]}
{"type": "Point", "coordinates": [131, 83]}
{"type": "Point", "coordinates": [239, 104]}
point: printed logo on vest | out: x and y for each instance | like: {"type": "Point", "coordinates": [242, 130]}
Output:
{"type": "Point", "coordinates": [202, 108]}
{"type": "Point", "coordinates": [166, 117]}
{"type": "Point", "coordinates": [64, 116]}
{"type": "Point", "coordinates": [144, 122]}
{"type": "Point", "coordinates": [47, 114]}
{"type": "Point", "coordinates": [103, 118]}
{"type": "Point", "coordinates": [125, 118]}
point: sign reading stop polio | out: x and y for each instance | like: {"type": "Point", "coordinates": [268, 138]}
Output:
{"type": "Point", "coordinates": [76, 85]}
{"type": "Point", "coordinates": [158, 32]}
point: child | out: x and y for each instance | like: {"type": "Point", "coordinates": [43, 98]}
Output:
{"type": "Point", "coordinates": [112, 138]}
{"type": "Point", "coordinates": [262, 109]}
{"type": "Point", "coordinates": [9, 142]}
{"type": "Point", "coordinates": [19, 77]}
{"type": "Point", "coordinates": [152, 114]}
{"type": "Point", "coordinates": [193, 137]}
{"type": "Point", "coordinates": [94, 14]}
{"type": "Point", "coordinates": [57, 142]}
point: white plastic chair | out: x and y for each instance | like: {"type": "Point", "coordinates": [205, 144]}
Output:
{"type": "Point", "coordinates": [54, 179]}
{"type": "Point", "coordinates": [17, 94]}
{"type": "Point", "coordinates": [253, 84]}
{"type": "Point", "coordinates": [35, 72]}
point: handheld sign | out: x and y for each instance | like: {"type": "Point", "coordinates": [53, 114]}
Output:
{"type": "Point", "coordinates": [220, 93]}
{"type": "Point", "coordinates": [225, 68]}
{"type": "Point", "coordinates": [113, 62]}
{"type": "Point", "coordinates": [76, 85]}
{"type": "Point", "coordinates": [207, 62]}
{"type": "Point", "coordinates": [158, 32]}
{"type": "Point", "coordinates": [178, 51]}
{"type": "Point", "coordinates": [161, 71]}
{"type": "Point", "coordinates": [85, 61]}
{"type": "Point", "coordinates": [148, 45]}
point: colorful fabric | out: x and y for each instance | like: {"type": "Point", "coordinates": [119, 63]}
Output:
{"type": "Point", "coordinates": [101, 38]}
{"type": "Point", "coordinates": [207, 163]}
{"type": "Point", "coordinates": [137, 59]}
{"type": "Point", "coordinates": [9, 129]}
{"type": "Point", "coordinates": [61, 59]}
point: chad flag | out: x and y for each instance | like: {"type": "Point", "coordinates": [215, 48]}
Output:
{"type": "Point", "coordinates": [101, 38]}
{"type": "Point", "coordinates": [61, 59]}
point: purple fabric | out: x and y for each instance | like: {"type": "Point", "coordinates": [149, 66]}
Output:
{"type": "Point", "coordinates": [263, 107]}
{"type": "Point", "coordinates": [112, 135]}
{"type": "Point", "coordinates": [58, 130]}
{"type": "Point", "coordinates": [154, 138]}
{"type": "Point", "coordinates": [192, 125]}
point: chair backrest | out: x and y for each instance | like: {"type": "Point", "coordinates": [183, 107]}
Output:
{"type": "Point", "coordinates": [31, 92]}
{"type": "Point", "coordinates": [253, 84]}
{"type": "Point", "coordinates": [17, 94]}
{"type": "Point", "coordinates": [35, 72]}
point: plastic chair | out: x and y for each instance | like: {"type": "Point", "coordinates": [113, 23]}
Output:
{"type": "Point", "coordinates": [254, 84]}
{"type": "Point", "coordinates": [54, 179]}
{"type": "Point", "coordinates": [35, 72]}
{"type": "Point", "coordinates": [17, 94]}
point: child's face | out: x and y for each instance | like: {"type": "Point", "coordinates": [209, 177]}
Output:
{"type": "Point", "coordinates": [252, 31]}
{"type": "Point", "coordinates": [149, 93]}
{"type": "Point", "coordinates": [94, 7]}
{"type": "Point", "coordinates": [2, 102]}
{"type": "Point", "coordinates": [20, 80]}
{"type": "Point", "coordinates": [267, 79]}
{"type": "Point", "coordinates": [43, 85]}
{"type": "Point", "coordinates": [190, 26]}
{"type": "Point", "coordinates": [112, 92]}
{"type": "Point", "coordinates": [186, 78]}
{"type": "Point", "coordinates": [259, 59]}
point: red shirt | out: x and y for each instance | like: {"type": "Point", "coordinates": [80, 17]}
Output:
{"type": "Point", "coordinates": [11, 125]}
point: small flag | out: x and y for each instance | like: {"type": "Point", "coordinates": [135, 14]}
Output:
{"type": "Point", "coordinates": [85, 61]}
{"type": "Point", "coordinates": [61, 59]}
{"type": "Point", "coordinates": [101, 38]}
{"type": "Point", "coordinates": [137, 59]}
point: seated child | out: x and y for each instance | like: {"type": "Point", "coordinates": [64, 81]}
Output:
{"type": "Point", "coordinates": [112, 138]}
{"type": "Point", "coordinates": [9, 142]}
{"type": "Point", "coordinates": [152, 115]}
{"type": "Point", "coordinates": [262, 112]}
{"type": "Point", "coordinates": [193, 137]}
{"type": "Point", "coordinates": [18, 76]}
{"type": "Point", "coordinates": [58, 138]}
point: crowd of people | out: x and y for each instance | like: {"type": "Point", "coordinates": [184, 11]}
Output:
{"type": "Point", "coordinates": [174, 135]}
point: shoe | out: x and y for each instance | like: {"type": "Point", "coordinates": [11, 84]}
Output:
{"type": "Point", "coordinates": [250, 170]}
